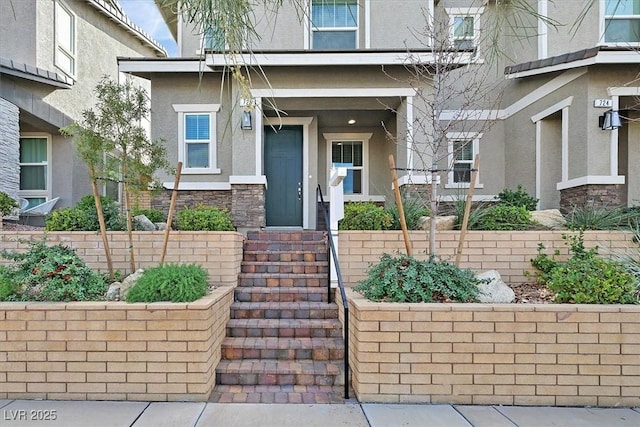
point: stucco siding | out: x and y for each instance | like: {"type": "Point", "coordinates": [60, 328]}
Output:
{"type": "Point", "coordinates": [18, 24]}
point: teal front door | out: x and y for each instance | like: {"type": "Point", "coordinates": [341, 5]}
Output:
{"type": "Point", "coordinates": [283, 169]}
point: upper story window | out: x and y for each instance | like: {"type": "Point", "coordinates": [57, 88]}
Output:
{"type": "Point", "coordinates": [464, 26]}
{"type": "Point", "coordinates": [622, 21]}
{"type": "Point", "coordinates": [65, 39]}
{"type": "Point", "coordinates": [197, 137]}
{"type": "Point", "coordinates": [334, 24]}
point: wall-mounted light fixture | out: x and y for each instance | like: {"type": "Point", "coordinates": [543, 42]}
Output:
{"type": "Point", "coordinates": [610, 120]}
{"type": "Point", "coordinates": [246, 121]}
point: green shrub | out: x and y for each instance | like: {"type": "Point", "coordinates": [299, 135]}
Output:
{"type": "Point", "coordinates": [154, 215]}
{"type": "Point", "coordinates": [7, 204]}
{"type": "Point", "coordinates": [53, 273]}
{"type": "Point", "coordinates": [518, 197]}
{"type": "Point", "coordinates": [170, 282]}
{"type": "Point", "coordinates": [476, 213]}
{"type": "Point", "coordinates": [204, 218]}
{"type": "Point", "coordinates": [598, 217]}
{"type": "Point", "coordinates": [504, 217]}
{"type": "Point", "coordinates": [84, 216]}
{"type": "Point", "coordinates": [413, 208]}
{"type": "Point", "coordinates": [406, 279]}
{"type": "Point", "coordinates": [8, 287]}
{"type": "Point", "coordinates": [365, 216]}
{"type": "Point", "coordinates": [585, 278]}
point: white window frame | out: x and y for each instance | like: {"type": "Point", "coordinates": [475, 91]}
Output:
{"type": "Point", "coordinates": [453, 137]}
{"type": "Point", "coordinates": [46, 193]}
{"type": "Point", "coordinates": [463, 12]}
{"type": "Point", "coordinates": [60, 7]}
{"type": "Point", "coordinates": [603, 27]}
{"type": "Point", "coordinates": [313, 29]}
{"type": "Point", "coordinates": [330, 138]}
{"type": "Point", "coordinates": [212, 110]}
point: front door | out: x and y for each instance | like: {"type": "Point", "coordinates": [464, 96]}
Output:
{"type": "Point", "coordinates": [283, 169]}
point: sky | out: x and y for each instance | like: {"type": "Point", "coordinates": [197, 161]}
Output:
{"type": "Point", "coordinates": [145, 14]}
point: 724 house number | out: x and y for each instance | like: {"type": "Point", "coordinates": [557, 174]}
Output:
{"type": "Point", "coordinates": [30, 415]}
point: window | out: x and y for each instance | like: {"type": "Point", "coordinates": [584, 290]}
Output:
{"type": "Point", "coordinates": [622, 21]}
{"type": "Point", "coordinates": [197, 136]}
{"type": "Point", "coordinates": [65, 40]}
{"type": "Point", "coordinates": [351, 151]}
{"type": "Point", "coordinates": [334, 24]}
{"type": "Point", "coordinates": [463, 148]}
{"type": "Point", "coordinates": [35, 174]}
{"type": "Point", "coordinates": [464, 26]}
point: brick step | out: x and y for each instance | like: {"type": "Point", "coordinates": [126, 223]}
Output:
{"type": "Point", "coordinates": [284, 256]}
{"type": "Point", "coordinates": [279, 372]}
{"type": "Point", "coordinates": [281, 294]}
{"type": "Point", "coordinates": [287, 236]}
{"type": "Point", "coordinates": [240, 348]}
{"type": "Point", "coordinates": [282, 280]}
{"type": "Point", "coordinates": [307, 394]}
{"type": "Point", "coordinates": [284, 246]}
{"type": "Point", "coordinates": [285, 328]}
{"type": "Point", "coordinates": [284, 310]}
{"type": "Point", "coordinates": [285, 267]}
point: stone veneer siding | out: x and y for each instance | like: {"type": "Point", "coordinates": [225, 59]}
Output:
{"type": "Point", "coordinates": [591, 194]}
{"type": "Point", "coordinates": [495, 354]}
{"type": "Point", "coordinates": [509, 253]}
{"type": "Point", "coordinates": [112, 350]}
{"type": "Point", "coordinates": [9, 148]}
{"type": "Point", "coordinates": [248, 206]}
{"type": "Point", "coordinates": [191, 199]}
{"type": "Point", "coordinates": [219, 252]}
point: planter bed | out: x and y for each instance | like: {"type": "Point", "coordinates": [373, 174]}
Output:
{"type": "Point", "coordinates": [112, 350]}
{"type": "Point", "coordinates": [504, 354]}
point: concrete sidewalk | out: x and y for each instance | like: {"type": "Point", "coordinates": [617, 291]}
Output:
{"type": "Point", "coordinates": [178, 414]}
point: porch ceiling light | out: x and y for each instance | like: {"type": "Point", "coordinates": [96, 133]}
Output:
{"type": "Point", "coordinates": [610, 120]}
{"type": "Point", "coordinates": [352, 121]}
{"type": "Point", "coordinates": [246, 121]}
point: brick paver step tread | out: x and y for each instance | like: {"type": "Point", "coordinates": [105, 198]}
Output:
{"type": "Point", "coordinates": [307, 394]}
{"type": "Point", "coordinates": [283, 294]}
{"type": "Point", "coordinates": [272, 366]}
{"type": "Point", "coordinates": [284, 323]}
{"type": "Point", "coordinates": [285, 267]}
{"type": "Point", "coordinates": [306, 235]}
{"type": "Point", "coordinates": [315, 255]}
{"type": "Point", "coordinates": [284, 310]}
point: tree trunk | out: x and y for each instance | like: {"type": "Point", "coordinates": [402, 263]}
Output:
{"type": "Point", "coordinates": [103, 227]}
{"type": "Point", "coordinates": [132, 258]}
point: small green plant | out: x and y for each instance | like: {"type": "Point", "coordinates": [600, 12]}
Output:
{"type": "Point", "coordinates": [407, 279]}
{"type": "Point", "coordinates": [7, 204]}
{"type": "Point", "coordinates": [8, 287]}
{"type": "Point", "coordinates": [52, 273]}
{"type": "Point", "coordinates": [204, 218]}
{"type": "Point", "coordinates": [414, 209]}
{"type": "Point", "coordinates": [154, 215]}
{"type": "Point", "coordinates": [476, 213]}
{"type": "Point", "coordinates": [586, 278]}
{"type": "Point", "coordinates": [170, 282]}
{"type": "Point", "coordinates": [84, 216]}
{"type": "Point", "coordinates": [504, 217]}
{"type": "Point", "coordinates": [518, 197]}
{"type": "Point", "coordinates": [365, 216]}
{"type": "Point", "coordinates": [598, 217]}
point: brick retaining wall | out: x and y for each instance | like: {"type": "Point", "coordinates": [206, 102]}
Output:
{"type": "Point", "coordinates": [112, 350]}
{"type": "Point", "coordinates": [503, 354]}
{"type": "Point", "coordinates": [509, 253]}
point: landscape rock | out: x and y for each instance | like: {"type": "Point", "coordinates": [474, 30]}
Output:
{"type": "Point", "coordinates": [143, 223]}
{"type": "Point", "coordinates": [496, 291]}
{"type": "Point", "coordinates": [550, 218]}
{"type": "Point", "coordinates": [113, 293]}
{"type": "Point", "coordinates": [442, 222]}
{"type": "Point", "coordinates": [128, 282]}
{"type": "Point", "coordinates": [160, 225]}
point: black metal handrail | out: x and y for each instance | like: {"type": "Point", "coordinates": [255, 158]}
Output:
{"type": "Point", "coordinates": [345, 303]}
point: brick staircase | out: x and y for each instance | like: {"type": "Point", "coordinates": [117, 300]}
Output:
{"type": "Point", "coordinates": [284, 340]}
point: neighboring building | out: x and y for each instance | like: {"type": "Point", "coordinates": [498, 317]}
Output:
{"type": "Point", "coordinates": [52, 55]}
{"type": "Point", "coordinates": [333, 87]}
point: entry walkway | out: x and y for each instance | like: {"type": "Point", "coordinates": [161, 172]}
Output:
{"type": "Point", "coordinates": [22, 413]}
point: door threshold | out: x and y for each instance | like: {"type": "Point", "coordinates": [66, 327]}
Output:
{"type": "Point", "coordinates": [283, 228]}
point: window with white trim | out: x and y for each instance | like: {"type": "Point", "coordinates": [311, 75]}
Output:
{"type": "Point", "coordinates": [351, 150]}
{"type": "Point", "coordinates": [334, 24]}
{"type": "Point", "coordinates": [35, 173]}
{"type": "Point", "coordinates": [65, 39]}
{"type": "Point", "coordinates": [464, 26]}
{"type": "Point", "coordinates": [197, 137]}
{"type": "Point", "coordinates": [462, 150]}
{"type": "Point", "coordinates": [622, 21]}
